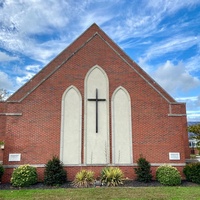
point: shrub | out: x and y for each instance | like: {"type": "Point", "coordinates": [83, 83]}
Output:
{"type": "Point", "coordinates": [84, 178]}
{"type": "Point", "coordinates": [54, 173]}
{"type": "Point", "coordinates": [168, 175]}
{"type": "Point", "coordinates": [187, 170]}
{"type": "Point", "coordinates": [143, 171]}
{"type": "Point", "coordinates": [111, 176]}
{"type": "Point", "coordinates": [192, 172]}
{"type": "Point", "coordinates": [23, 176]}
{"type": "Point", "coordinates": [1, 172]}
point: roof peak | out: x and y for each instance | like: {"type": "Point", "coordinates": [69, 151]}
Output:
{"type": "Point", "coordinates": [70, 51]}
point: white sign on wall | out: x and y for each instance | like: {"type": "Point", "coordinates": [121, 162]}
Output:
{"type": "Point", "coordinates": [174, 156]}
{"type": "Point", "coordinates": [14, 157]}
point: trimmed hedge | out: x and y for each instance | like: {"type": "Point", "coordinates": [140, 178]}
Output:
{"type": "Point", "coordinates": [168, 175]}
{"type": "Point", "coordinates": [192, 172]}
{"type": "Point", "coordinates": [23, 176]}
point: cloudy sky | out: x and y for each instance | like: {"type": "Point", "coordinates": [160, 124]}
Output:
{"type": "Point", "coordinates": [162, 36]}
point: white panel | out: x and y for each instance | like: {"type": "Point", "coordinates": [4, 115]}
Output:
{"type": "Point", "coordinates": [96, 144]}
{"type": "Point", "coordinates": [14, 157]}
{"type": "Point", "coordinates": [71, 127]}
{"type": "Point", "coordinates": [121, 127]}
{"type": "Point", "coordinates": [174, 156]}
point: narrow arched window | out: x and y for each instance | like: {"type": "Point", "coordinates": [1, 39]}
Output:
{"type": "Point", "coordinates": [121, 127]}
{"type": "Point", "coordinates": [70, 148]}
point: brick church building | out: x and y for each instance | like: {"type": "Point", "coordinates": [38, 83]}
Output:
{"type": "Point", "coordinates": [92, 106]}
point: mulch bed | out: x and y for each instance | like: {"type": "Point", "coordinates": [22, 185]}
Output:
{"type": "Point", "coordinates": [127, 183]}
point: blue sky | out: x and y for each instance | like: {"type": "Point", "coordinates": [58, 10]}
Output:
{"type": "Point", "coordinates": [162, 36]}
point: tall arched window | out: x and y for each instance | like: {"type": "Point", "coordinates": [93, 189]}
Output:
{"type": "Point", "coordinates": [121, 127]}
{"type": "Point", "coordinates": [96, 117]}
{"type": "Point", "coordinates": [70, 148]}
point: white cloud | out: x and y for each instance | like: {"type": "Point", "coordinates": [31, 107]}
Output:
{"type": "Point", "coordinates": [190, 98]}
{"type": "Point", "coordinates": [34, 16]}
{"type": "Point", "coordinates": [23, 79]}
{"type": "Point", "coordinates": [170, 6]}
{"type": "Point", "coordinates": [6, 82]}
{"type": "Point", "coordinates": [22, 20]}
{"type": "Point", "coordinates": [175, 78]}
{"type": "Point", "coordinates": [198, 101]}
{"type": "Point", "coordinates": [94, 17]}
{"type": "Point", "coordinates": [27, 74]}
{"type": "Point", "coordinates": [193, 63]}
{"type": "Point", "coordinates": [172, 44]}
{"type": "Point", "coordinates": [193, 116]}
{"type": "Point", "coordinates": [45, 51]}
{"type": "Point", "coordinates": [6, 58]}
{"type": "Point", "coordinates": [142, 62]}
{"type": "Point", "coordinates": [192, 107]}
{"type": "Point", "coordinates": [34, 68]}
{"type": "Point", "coordinates": [193, 102]}
{"type": "Point", "coordinates": [142, 18]}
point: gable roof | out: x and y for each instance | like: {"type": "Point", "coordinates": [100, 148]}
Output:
{"type": "Point", "coordinates": [70, 51]}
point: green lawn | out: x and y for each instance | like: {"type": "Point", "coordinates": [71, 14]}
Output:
{"type": "Point", "coordinates": [190, 193]}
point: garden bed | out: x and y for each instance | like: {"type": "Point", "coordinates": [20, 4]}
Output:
{"type": "Point", "coordinates": [126, 183]}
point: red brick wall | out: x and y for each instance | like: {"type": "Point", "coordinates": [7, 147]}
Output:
{"type": "Point", "coordinates": [36, 134]}
{"type": "Point", "coordinates": [2, 120]}
{"type": "Point", "coordinates": [129, 172]}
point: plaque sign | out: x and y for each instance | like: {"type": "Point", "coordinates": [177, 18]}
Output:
{"type": "Point", "coordinates": [174, 156]}
{"type": "Point", "coordinates": [14, 157]}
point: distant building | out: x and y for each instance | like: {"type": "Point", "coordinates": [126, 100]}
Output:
{"type": "Point", "coordinates": [193, 142]}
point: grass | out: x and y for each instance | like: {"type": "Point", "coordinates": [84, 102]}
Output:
{"type": "Point", "coordinates": [103, 193]}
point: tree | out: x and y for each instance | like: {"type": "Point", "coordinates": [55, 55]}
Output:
{"type": "Point", "coordinates": [54, 173]}
{"type": "Point", "coordinates": [196, 130]}
{"type": "Point", "coordinates": [3, 94]}
{"type": "Point", "coordinates": [143, 171]}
